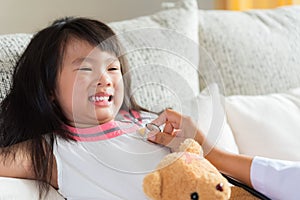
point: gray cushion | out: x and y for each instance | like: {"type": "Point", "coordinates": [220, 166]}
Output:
{"type": "Point", "coordinates": [11, 47]}
{"type": "Point", "coordinates": [255, 52]}
{"type": "Point", "coordinates": [162, 50]}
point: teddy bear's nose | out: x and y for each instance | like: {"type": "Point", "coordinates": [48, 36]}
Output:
{"type": "Point", "coordinates": [220, 187]}
{"type": "Point", "coordinates": [194, 196]}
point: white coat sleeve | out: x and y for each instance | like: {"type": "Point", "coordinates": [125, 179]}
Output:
{"type": "Point", "coordinates": [277, 179]}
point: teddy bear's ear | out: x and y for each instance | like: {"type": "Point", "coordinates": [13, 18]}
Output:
{"type": "Point", "coordinates": [152, 185]}
{"type": "Point", "coordinates": [191, 146]}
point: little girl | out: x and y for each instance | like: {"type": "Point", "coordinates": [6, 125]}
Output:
{"type": "Point", "coordinates": [69, 120]}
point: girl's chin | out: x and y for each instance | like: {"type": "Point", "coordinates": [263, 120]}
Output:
{"type": "Point", "coordinates": [105, 116]}
{"type": "Point", "coordinates": [105, 120]}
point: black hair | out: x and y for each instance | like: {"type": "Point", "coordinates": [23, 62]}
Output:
{"type": "Point", "coordinates": [28, 113]}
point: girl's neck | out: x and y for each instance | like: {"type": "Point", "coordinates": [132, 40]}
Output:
{"type": "Point", "coordinates": [80, 125]}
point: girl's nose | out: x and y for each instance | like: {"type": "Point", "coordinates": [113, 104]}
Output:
{"type": "Point", "coordinates": [104, 80]}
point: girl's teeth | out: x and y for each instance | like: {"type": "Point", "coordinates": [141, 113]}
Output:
{"type": "Point", "coordinates": [99, 98]}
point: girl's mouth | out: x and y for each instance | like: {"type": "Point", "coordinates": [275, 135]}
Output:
{"type": "Point", "coordinates": [101, 98]}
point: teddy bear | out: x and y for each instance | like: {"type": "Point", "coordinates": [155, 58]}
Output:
{"type": "Point", "coordinates": [186, 175]}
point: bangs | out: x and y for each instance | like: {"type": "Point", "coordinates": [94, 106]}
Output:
{"type": "Point", "coordinates": [97, 34]}
{"type": "Point", "coordinates": [94, 34]}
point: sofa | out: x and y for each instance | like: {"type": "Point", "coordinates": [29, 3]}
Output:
{"type": "Point", "coordinates": [237, 73]}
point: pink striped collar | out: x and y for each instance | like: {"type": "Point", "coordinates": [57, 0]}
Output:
{"type": "Point", "coordinates": [107, 130]}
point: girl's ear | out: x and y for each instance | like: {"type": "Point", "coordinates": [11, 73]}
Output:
{"type": "Point", "coordinates": [52, 96]}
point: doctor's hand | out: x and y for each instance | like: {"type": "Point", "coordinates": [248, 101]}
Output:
{"type": "Point", "coordinates": [177, 128]}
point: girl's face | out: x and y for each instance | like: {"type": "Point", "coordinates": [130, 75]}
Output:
{"type": "Point", "coordinates": [90, 88]}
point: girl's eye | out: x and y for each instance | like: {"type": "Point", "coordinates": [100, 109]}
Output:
{"type": "Point", "coordinates": [85, 69]}
{"type": "Point", "coordinates": [113, 68]}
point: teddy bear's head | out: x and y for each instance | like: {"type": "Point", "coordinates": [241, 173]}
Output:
{"type": "Point", "coordinates": [186, 175]}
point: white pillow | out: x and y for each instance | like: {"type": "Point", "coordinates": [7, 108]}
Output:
{"type": "Point", "coordinates": [256, 51]}
{"type": "Point", "coordinates": [14, 188]}
{"type": "Point", "coordinates": [266, 125]}
{"type": "Point", "coordinates": [206, 109]}
{"type": "Point", "coordinates": [162, 50]}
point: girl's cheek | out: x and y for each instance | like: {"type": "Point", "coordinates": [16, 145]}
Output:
{"type": "Point", "coordinates": [81, 79]}
{"type": "Point", "coordinates": [121, 81]}
{"type": "Point", "coordinates": [121, 88]}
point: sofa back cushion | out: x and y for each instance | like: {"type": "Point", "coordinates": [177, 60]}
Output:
{"type": "Point", "coordinates": [255, 52]}
{"type": "Point", "coordinates": [162, 51]}
{"type": "Point", "coordinates": [11, 47]}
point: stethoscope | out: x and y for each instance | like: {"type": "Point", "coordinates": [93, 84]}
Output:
{"type": "Point", "coordinates": [144, 131]}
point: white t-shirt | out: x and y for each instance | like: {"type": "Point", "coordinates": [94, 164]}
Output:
{"type": "Point", "coordinates": [277, 179]}
{"type": "Point", "coordinates": [106, 162]}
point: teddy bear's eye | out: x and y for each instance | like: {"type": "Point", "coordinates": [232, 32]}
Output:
{"type": "Point", "coordinates": [220, 187]}
{"type": "Point", "coordinates": [194, 196]}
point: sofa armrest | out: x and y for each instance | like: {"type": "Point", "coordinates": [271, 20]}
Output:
{"type": "Point", "coordinates": [14, 188]}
